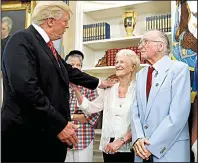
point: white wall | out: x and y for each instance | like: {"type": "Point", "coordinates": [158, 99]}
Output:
{"type": "Point", "coordinates": [69, 36]}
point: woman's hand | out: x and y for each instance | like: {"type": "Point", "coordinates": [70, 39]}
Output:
{"type": "Point", "coordinates": [112, 148]}
{"type": "Point", "coordinates": [74, 87]}
{"type": "Point", "coordinates": [80, 117]}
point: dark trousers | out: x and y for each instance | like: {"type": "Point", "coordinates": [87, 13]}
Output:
{"type": "Point", "coordinates": [22, 148]}
{"type": "Point", "coordinates": [119, 156]}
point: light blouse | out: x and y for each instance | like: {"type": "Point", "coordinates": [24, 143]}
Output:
{"type": "Point", "coordinates": [116, 116]}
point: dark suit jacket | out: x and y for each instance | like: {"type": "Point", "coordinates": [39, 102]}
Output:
{"type": "Point", "coordinates": [36, 93]}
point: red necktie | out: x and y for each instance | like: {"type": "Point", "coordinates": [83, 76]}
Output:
{"type": "Point", "coordinates": [149, 81]}
{"type": "Point", "coordinates": [51, 46]}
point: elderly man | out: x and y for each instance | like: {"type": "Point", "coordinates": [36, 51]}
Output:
{"type": "Point", "coordinates": [6, 27]}
{"type": "Point", "coordinates": [160, 114]}
{"type": "Point", "coordinates": [35, 117]}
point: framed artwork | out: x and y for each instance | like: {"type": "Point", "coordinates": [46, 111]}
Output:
{"type": "Point", "coordinates": [19, 12]}
{"type": "Point", "coordinates": [67, 2]}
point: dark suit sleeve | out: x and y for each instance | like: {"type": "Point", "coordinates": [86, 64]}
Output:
{"type": "Point", "coordinates": [80, 78]}
{"type": "Point", "coordinates": [20, 64]}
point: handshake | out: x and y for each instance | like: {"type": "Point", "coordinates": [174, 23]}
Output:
{"type": "Point", "coordinates": [68, 135]}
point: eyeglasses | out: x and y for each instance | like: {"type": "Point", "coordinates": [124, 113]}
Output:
{"type": "Point", "coordinates": [143, 42]}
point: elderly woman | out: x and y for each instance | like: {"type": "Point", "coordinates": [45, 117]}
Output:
{"type": "Point", "coordinates": [115, 102]}
{"type": "Point", "coordinates": [83, 150]}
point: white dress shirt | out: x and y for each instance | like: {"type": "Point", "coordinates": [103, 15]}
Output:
{"type": "Point", "coordinates": [41, 32]}
{"type": "Point", "coordinates": [158, 66]}
{"type": "Point", "coordinates": [116, 118]}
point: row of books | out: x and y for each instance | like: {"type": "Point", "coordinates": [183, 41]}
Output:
{"type": "Point", "coordinates": [97, 31]}
{"type": "Point", "coordinates": [160, 22]}
{"type": "Point", "coordinates": [110, 55]}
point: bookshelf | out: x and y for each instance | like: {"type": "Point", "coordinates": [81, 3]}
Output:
{"type": "Point", "coordinates": [89, 12]}
{"type": "Point", "coordinates": [114, 42]}
{"type": "Point", "coordinates": [141, 7]}
{"type": "Point", "coordinates": [105, 70]}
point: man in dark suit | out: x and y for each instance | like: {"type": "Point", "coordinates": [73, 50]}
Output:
{"type": "Point", "coordinates": [35, 114]}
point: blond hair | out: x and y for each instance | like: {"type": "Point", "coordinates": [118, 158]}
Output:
{"type": "Point", "coordinates": [134, 60]}
{"type": "Point", "coordinates": [49, 9]}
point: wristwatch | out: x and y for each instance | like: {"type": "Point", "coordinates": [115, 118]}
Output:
{"type": "Point", "coordinates": [122, 139]}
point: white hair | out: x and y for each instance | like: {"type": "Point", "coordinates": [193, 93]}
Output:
{"type": "Point", "coordinates": [134, 60]}
{"type": "Point", "coordinates": [164, 38]}
{"type": "Point", "coordinates": [8, 21]}
{"type": "Point", "coordinates": [49, 9]}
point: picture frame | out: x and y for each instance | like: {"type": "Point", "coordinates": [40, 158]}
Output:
{"type": "Point", "coordinates": [19, 12]}
{"type": "Point", "coordinates": [67, 2]}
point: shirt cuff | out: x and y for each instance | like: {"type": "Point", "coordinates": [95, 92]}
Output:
{"type": "Point", "coordinates": [194, 147]}
{"type": "Point", "coordinates": [84, 105]}
{"type": "Point", "coordinates": [99, 83]}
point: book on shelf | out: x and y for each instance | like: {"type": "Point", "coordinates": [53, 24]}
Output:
{"type": "Point", "coordinates": [109, 59]}
{"type": "Point", "coordinates": [110, 55]}
{"type": "Point", "coordinates": [160, 22]}
{"type": "Point", "coordinates": [97, 31]}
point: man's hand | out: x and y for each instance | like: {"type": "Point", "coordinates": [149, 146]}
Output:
{"type": "Point", "coordinates": [148, 155]}
{"type": "Point", "coordinates": [68, 135]}
{"type": "Point", "coordinates": [105, 84]}
{"type": "Point", "coordinates": [112, 148]}
{"type": "Point", "coordinates": [140, 149]}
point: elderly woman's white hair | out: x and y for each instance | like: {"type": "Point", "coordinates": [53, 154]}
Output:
{"type": "Point", "coordinates": [49, 9]}
{"type": "Point", "coordinates": [134, 60]}
{"type": "Point", "coordinates": [8, 21]}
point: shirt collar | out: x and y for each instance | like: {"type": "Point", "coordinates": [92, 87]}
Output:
{"type": "Point", "coordinates": [162, 64]}
{"type": "Point", "coordinates": [41, 32]}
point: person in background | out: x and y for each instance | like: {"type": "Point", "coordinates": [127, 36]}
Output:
{"type": "Point", "coordinates": [6, 27]}
{"type": "Point", "coordinates": [35, 115]}
{"type": "Point", "coordinates": [83, 150]}
{"type": "Point", "coordinates": [160, 131]}
{"type": "Point", "coordinates": [115, 102]}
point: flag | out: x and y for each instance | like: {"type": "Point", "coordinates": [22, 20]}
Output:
{"type": "Point", "coordinates": [184, 44]}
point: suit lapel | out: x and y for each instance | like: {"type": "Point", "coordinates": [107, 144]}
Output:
{"type": "Point", "coordinates": [48, 52]}
{"type": "Point", "coordinates": [143, 88]}
{"type": "Point", "coordinates": [153, 92]}
{"type": "Point", "coordinates": [63, 71]}
{"type": "Point", "coordinates": [56, 64]}
{"type": "Point", "coordinates": [158, 81]}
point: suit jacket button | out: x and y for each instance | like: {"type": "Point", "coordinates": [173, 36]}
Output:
{"type": "Point", "coordinates": [145, 127]}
